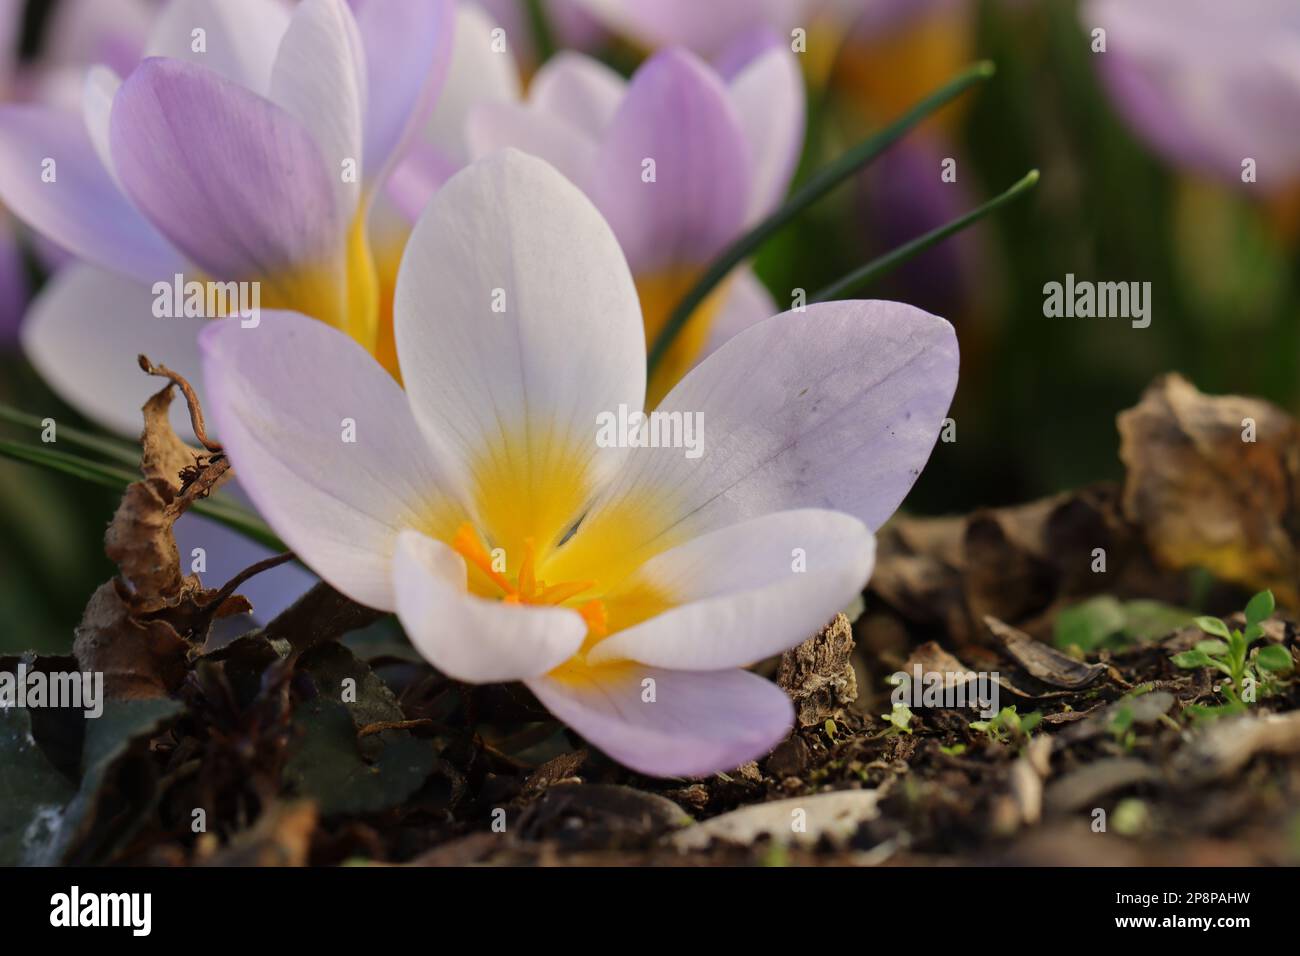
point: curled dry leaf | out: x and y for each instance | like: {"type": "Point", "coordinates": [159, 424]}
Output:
{"type": "Point", "coordinates": [1214, 481]}
{"type": "Point", "coordinates": [138, 629]}
{"type": "Point", "coordinates": [1042, 661]}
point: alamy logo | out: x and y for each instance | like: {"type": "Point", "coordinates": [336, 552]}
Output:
{"type": "Point", "coordinates": [78, 690]}
{"type": "Point", "coordinates": [103, 909]}
{"type": "Point", "coordinates": [629, 429]}
{"type": "Point", "coordinates": [1102, 300]}
{"type": "Point", "coordinates": [208, 300]}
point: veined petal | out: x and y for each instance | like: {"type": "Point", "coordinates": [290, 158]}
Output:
{"type": "Point", "coordinates": [580, 89]}
{"type": "Point", "coordinates": [670, 723]}
{"type": "Point", "coordinates": [408, 48]}
{"type": "Point", "coordinates": [768, 97]}
{"type": "Point", "coordinates": [837, 407]}
{"type": "Point", "coordinates": [233, 180]}
{"type": "Point", "coordinates": [81, 208]}
{"type": "Point", "coordinates": [83, 333]}
{"type": "Point", "coordinates": [337, 471]}
{"type": "Point", "coordinates": [319, 78]}
{"type": "Point", "coordinates": [238, 38]}
{"type": "Point", "coordinates": [518, 325]}
{"type": "Point", "coordinates": [677, 115]}
{"type": "Point", "coordinates": [744, 592]}
{"type": "Point", "coordinates": [468, 637]}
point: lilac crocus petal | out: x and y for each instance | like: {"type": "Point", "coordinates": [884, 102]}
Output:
{"type": "Point", "coordinates": [338, 472]}
{"type": "Point", "coordinates": [836, 407]}
{"type": "Point", "coordinates": [110, 32]}
{"type": "Point", "coordinates": [13, 283]}
{"type": "Point", "coordinates": [227, 552]}
{"type": "Point", "coordinates": [747, 303]}
{"type": "Point", "coordinates": [745, 592]}
{"type": "Point", "coordinates": [408, 49]}
{"type": "Point", "coordinates": [1204, 84]}
{"type": "Point", "coordinates": [421, 173]}
{"type": "Point", "coordinates": [75, 201]}
{"type": "Point", "coordinates": [676, 113]}
{"type": "Point", "coordinates": [468, 637]}
{"type": "Point", "coordinates": [705, 27]}
{"type": "Point", "coordinates": [319, 79]}
{"type": "Point", "coordinates": [695, 723]}
{"type": "Point", "coordinates": [517, 324]}
{"type": "Point", "coordinates": [239, 41]}
{"type": "Point", "coordinates": [83, 333]}
{"type": "Point", "coordinates": [232, 179]}
{"type": "Point", "coordinates": [495, 126]}
{"type": "Point", "coordinates": [579, 89]}
{"type": "Point", "coordinates": [100, 88]}
{"type": "Point", "coordinates": [768, 97]}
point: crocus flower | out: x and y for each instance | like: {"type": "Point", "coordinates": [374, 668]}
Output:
{"type": "Point", "coordinates": [246, 146]}
{"type": "Point", "coordinates": [625, 582]}
{"type": "Point", "coordinates": [1205, 83]}
{"type": "Point", "coordinates": [707, 28]}
{"type": "Point", "coordinates": [680, 160]}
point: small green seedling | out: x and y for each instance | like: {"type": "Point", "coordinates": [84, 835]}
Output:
{"type": "Point", "coordinates": [899, 720]}
{"type": "Point", "coordinates": [1008, 726]}
{"type": "Point", "coordinates": [831, 728]}
{"type": "Point", "coordinates": [1228, 651]}
{"type": "Point", "coordinates": [956, 750]}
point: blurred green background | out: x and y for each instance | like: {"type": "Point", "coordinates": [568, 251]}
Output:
{"type": "Point", "coordinates": [1038, 396]}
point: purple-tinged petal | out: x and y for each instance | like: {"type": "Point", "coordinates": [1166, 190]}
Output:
{"type": "Point", "coordinates": [837, 407]}
{"type": "Point", "coordinates": [239, 38]}
{"type": "Point", "coordinates": [744, 592]}
{"type": "Point", "coordinates": [109, 32]}
{"type": "Point", "coordinates": [337, 472]}
{"type": "Point", "coordinates": [705, 26]}
{"type": "Point", "coordinates": [768, 96]}
{"type": "Point", "coordinates": [678, 115]}
{"type": "Point", "coordinates": [408, 49]}
{"type": "Point", "coordinates": [495, 126]}
{"type": "Point", "coordinates": [82, 208]}
{"type": "Point", "coordinates": [681, 724]}
{"type": "Point", "coordinates": [421, 173]}
{"type": "Point", "coordinates": [233, 180]}
{"type": "Point", "coordinates": [468, 637]}
{"type": "Point", "coordinates": [83, 334]}
{"type": "Point", "coordinates": [580, 89]}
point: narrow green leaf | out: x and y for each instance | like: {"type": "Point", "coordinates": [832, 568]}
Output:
{"type": "Point", "coordinates": [819, 185]}
{"type": "Point", "coordinates": [1191, 660]}
{"type": "Point", "coordinates": [1213, 648]}
{"type": "Point", "coordinates": [109, 476]}
{"type": "Point", "coordinates": [891, 260]}
{"type": "Point", "coordinates": [119, 451]}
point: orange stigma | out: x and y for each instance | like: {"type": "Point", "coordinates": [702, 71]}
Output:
{"type": "Point", "coordinates": [527, 588]}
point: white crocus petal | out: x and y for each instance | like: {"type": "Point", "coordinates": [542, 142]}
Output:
{"type": "Point", "coordinates": [324, 444]}
{"type": "Point", "coordinates": [768, 97]}
{"type": "Point", "coordinates": [96, 108]}
{"type": "Point", "coordinates": [319, 77]}
{"type": "Point", "coordinates": [237, 38]}
{"type": "Point", "coordinates": [745, 592]}
{"type": "Point", "coordinates": [479, 73]}
{"type": "Point", "coordinates": [83, 334]}
{"type": "Point", "coordinates": [517, 326]}
{"type": "Point", "coordinates": [468, 637]}
{"type": "Point", "coordinates": [495, 126]}
{"type": "Point", "coordinates": [580, 89]}
{"type": "Point", "coordinates": [671, 723]}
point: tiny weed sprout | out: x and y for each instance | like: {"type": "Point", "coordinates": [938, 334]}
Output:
{"type": "Point", "coordinates": [1228, 651]}
{"type": "Point", "coordinates": [1008, 726]}
{"type": "Point", "coordinates": [899, 720]}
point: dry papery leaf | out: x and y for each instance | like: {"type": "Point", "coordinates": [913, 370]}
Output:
{"type": "Point", "coordinates": [139, 627]}
{"type": "Point", "coordinates": [1214, 481]}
